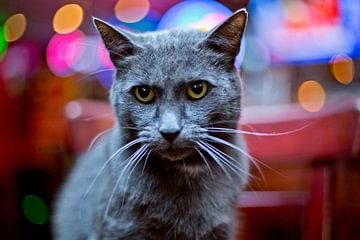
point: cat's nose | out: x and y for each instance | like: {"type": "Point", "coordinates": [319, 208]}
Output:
{"type": "Point", "coordinates": [170, 136]}
{"type": "Point", "coordinates": [169, 126]}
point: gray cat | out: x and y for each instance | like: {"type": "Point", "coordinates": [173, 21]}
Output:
{"type": "Point", "coordinates": [171, 168]}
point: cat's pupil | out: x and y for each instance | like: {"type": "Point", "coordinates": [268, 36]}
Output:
{"type": "Point", "coordinates": [197, 87]}
{"type": "Point", "coordinates": [144, 91]}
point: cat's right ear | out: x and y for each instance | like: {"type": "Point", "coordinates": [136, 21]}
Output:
{"type": "Point", "coordinates": [226, 37]}
{"type": "Point", "coordinates": [117, 42]}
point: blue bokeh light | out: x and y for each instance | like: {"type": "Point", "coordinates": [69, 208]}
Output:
{"type": "Point", "coordinates": [188, 13]}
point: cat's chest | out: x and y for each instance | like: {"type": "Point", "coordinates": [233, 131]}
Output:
{"type": "Point", "coordinates": [181, 216]}
{"type": "Point", "coordinates": [152, 226]}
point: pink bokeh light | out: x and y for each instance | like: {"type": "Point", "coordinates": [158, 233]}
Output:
{"type": "Point", "coordinates": [63, 50]}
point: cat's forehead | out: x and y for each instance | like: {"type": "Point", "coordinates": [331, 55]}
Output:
{"type": "Point", "coordinates": [178, 37]}
{"type": "Point", "coordinates": [170, 57]}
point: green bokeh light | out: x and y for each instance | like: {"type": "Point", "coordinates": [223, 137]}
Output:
{"type": "Point", "coordinates": [35, 209]}
{"type": "Point", "coordinates": [3, 42]}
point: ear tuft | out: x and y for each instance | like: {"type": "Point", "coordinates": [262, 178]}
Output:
{"type": "Point", "coordinates": [226, 38]}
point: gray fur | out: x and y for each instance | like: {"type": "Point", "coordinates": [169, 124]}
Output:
{"type": "Point", "coordinates": [170, 193]}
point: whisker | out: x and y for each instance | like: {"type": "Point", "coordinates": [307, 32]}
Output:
{"type": "Point", "coordinates": [252, 129]}
{"type": "Point", "coordinates": [130, 161]}
{"type": "Point", "coordinates": [132, 167]}
{"type": "Point", "coordinates": [221, 122]}
{"type": "Point", "coordinates": [97, 137]}
{"type": "Point", "coordinates": [253, 159]}
{"type": "Point", "coordinates": [98, 48]}
{"type": "Point", "coordinates": [97, 117]}
{"type": "Point", "coordinates": [142, 154]}
{"type": "Point", "coordinates": [146, 159]}
{"type": "Point", "coordinates": [98, 145]}
{"type": "Point", "coordinates": [87, 75]}
{"type": "Point", "coordinates": [214, 158]}
{"type": "Point", "coordinates": [119, 151]}
{"type": "Point", "coordinates": [204, 159]}
{"type": "Point", "coordinates": [230, 130]}
{"type": "Point", "coordinates": [226, 158]}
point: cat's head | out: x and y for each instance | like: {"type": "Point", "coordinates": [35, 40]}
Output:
{"type": "Point", "coordinates": [170, 85]}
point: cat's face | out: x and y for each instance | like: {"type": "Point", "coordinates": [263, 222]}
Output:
{"type": "Point", "coordinates": [171, 85]}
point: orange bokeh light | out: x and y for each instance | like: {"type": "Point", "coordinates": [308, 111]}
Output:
{"type": "Point", "coordinates": [343, 69]}
{"type": "Point", "coordinates": [15, 27]}
{"type": "Point", "coordinates": [131, 11]}
{"type": "Point", "coordinates": [311, 96]}
{"type": "Point", "coordinates": [68, 18]}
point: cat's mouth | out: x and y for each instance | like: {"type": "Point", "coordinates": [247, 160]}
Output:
{"type": "Point", "coordinates": [175, 154]}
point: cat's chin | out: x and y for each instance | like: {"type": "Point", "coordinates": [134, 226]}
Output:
{"type": "Point", "coordinates": [175, 155]}
{"type": "Point", "coordinates": [182, 160]}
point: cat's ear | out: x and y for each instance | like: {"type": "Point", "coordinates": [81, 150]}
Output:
{"type": "Point", "coordinates": [116, 41]}
{"type": "Point", "coordinates": [226, 37]}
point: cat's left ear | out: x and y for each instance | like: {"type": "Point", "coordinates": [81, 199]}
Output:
{"type": "Point", "coordinates": [117, 41]}
{"type": "Point", "coordinates": [226, 38]}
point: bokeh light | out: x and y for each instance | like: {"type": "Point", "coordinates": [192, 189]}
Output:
{"type": "Point", "coordinates": [200, 14]}
{"type": "Point", "coordinates": [148, 23]}
{"type": "Point", "coordinates": [73, 110]}
{"type": "Point", "coordinates": [131, 11]}
{"type": "Point", "coordinates": [3, 42]}
{"type": "Point", "coordinates": [104, 56]}
{"type": "Point", "coordinates": [342, 68]}
{"type": "Point", "coordinates": [63, 50]}
{"type": "Point", "coordinates": [210, 21]}
{"type": "Point", "coordinates": [106, 73]}
{"type": "Point", "coordinates": [297, 13]}
{"type": "Point", "coordinates": [68, 18]}
{"type": "Point", "coordinates": [35, 209]}
{"type": "Point", "coordinates": [22, 67]}
{"type": "Point", "coordinates": [311, 96]}
{"type": "Point", "coordinates": [15, 27]}
{"type": "Point", "coordinates": [85, 55]}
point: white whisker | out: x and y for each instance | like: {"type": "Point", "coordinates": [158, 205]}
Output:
{"type": "Point", "coordinates": [123, 148]}
{"type": "Point", "coordinates": [100, 116]}
{"type": "Point", "coordinates": [230, 130]}
{"type": "Point", "coordinates": [214, 158]}
{"type": "Point", "coordinates": [204, 159]}
{"type": "Point", "coordinates": [146, 159]}
{"type": "Point", "coordinates": [130, 161]}
{"type": "Point", "coordinates": [84, 77]}
{"type": "Point", "coordinates": [132, 167]}
{"type": "Point", "coordinates": [226, 159]}
{"type": "Point", "coordinates": [253, 159]}
{"type": "Point", "coordinates": [97, 137]}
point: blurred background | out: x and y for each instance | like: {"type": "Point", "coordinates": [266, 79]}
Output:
{"type": "Point", "coordinates": [299, 56]}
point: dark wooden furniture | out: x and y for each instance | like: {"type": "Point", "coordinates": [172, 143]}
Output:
{"type": "Point", "coordinates": [317, 167]}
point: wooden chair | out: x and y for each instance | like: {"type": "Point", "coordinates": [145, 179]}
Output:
{"type": "Point", "coordinates": [309, 162]}
{"type": "Point", "coordinates": [314, 163]}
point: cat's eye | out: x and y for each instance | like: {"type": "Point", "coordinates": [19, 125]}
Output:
{"type": "Point", "coordinates": [144, 94]}
{"type": "Point", "coordinates": [197, 90]}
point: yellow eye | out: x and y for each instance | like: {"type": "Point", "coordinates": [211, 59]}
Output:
{"type": "Point", "coordinates": [144, 94]}
{"type": "Point", "coordinates": [197, 90]}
